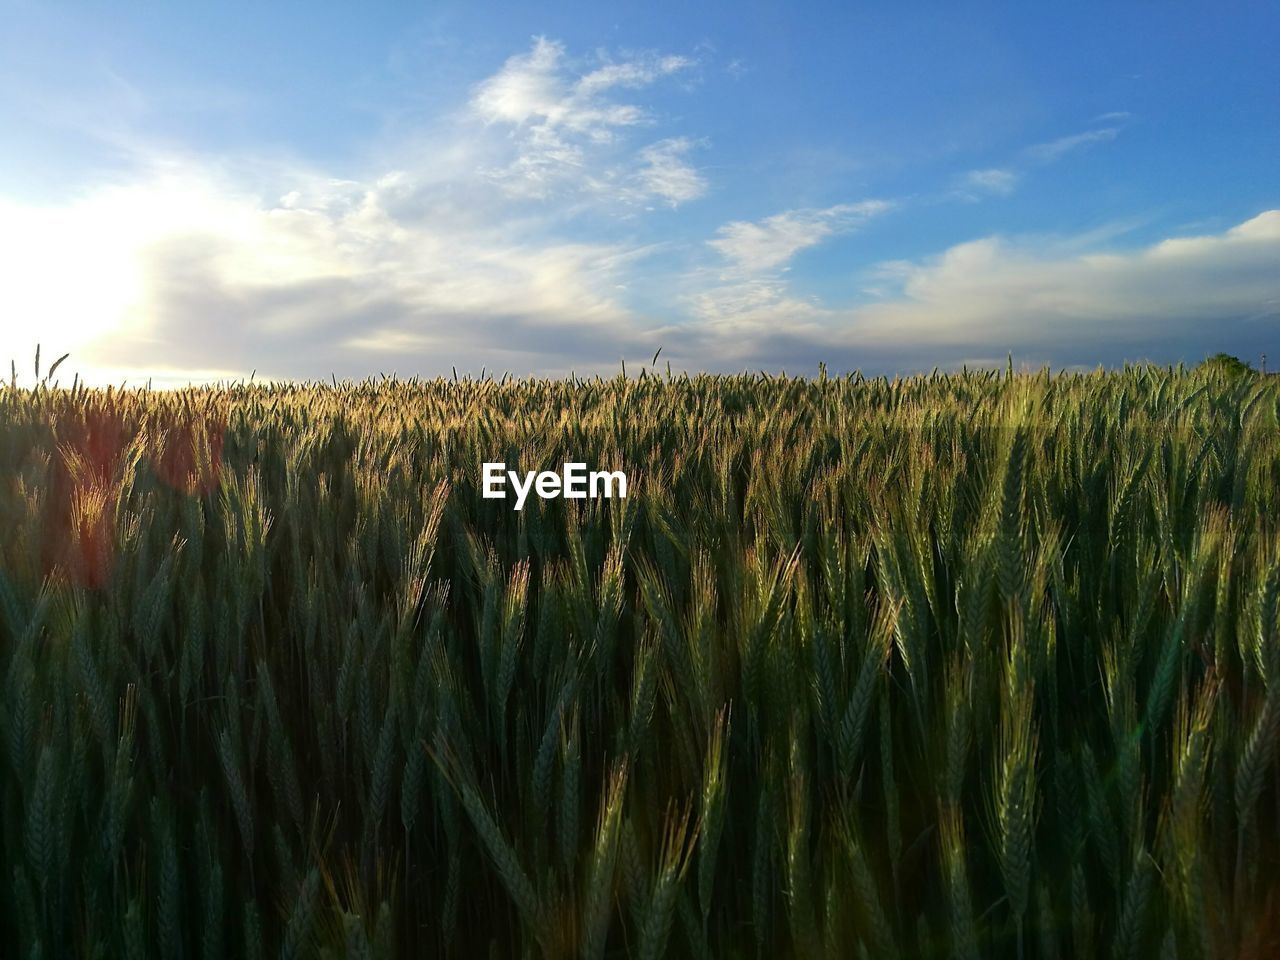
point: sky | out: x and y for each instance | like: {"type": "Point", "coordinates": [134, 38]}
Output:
{"type": "Point", "coordinates": [198, 191]}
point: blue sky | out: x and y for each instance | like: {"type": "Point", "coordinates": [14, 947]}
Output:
{"type": "Point", "coordinates": [193, 191]}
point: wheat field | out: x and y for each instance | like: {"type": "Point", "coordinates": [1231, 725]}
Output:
{"type": "Point", "coordinates": [954, 666]}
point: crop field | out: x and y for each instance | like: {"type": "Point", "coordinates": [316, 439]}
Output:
{"type": "Point", "coordinates": [963, 666]}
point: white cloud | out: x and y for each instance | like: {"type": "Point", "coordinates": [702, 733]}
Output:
{"type": "Point", "coordinates": [564, 128]}
{"type": "Point", "coordinates": [754, 247]}
{"type": "Point", "coordinates": [993, 291]}
{"type": "Point", "coordinates": [184, 273]}
{"type": "Point", "coordinates": [213, 265]}
{"type": "Point", "coordinates": [208, 268]}
{"type": "Point", "coordinates": [1003, 180]}
{"type": "Point", "coordinates": [632, 73]}
{"type": "Point", "coordinates": [1055, 149]}
{"type": "Point", "coordinates": [748, 296]}
{"type": "Point", "coordinates": [533, 89]}
{"type": "Point", "coordinates": [992, 180]}
{"type": "Point", "coordinates": [183, 269]}
{"type": "Point", "coordinates": [664, 173]}
{"type": "Point", "coordinates": [1181, 298]}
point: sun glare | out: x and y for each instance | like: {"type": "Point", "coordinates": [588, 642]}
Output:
{"type": "Point", "coordinates": [70, 279]}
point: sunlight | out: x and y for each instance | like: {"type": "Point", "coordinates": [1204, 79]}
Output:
{"type": "Point", "coordinates": [91, 270]}
{"type": "Point", "coordinates": [69, 279]}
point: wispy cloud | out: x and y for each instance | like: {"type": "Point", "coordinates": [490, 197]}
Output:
{"type": "Point", "coordinates": [1180, 298]}
{"type": "Point", "coordinates": [992, 180]}
{"type": "Point", "coordinates": [665, 174]}
{"type": "Point", "coordinates": [749, 291]}
{"type": "Point", "coordinates": [185, 270]}
{"type": "Point", "coordinates": [565, 128]}
{"type": "Point", "coordinates": [768, 244]}
{"type": "Point", "coordinates": [194, 275]}
{"type": "Point", "coordinates": [995, 292]}
{"type": "Point", "coordinates": [1056, 149]}
{"type": "Point", "coordinates": [1003, 180]}
{"type": "Point", "coordinates": [208, 264]}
